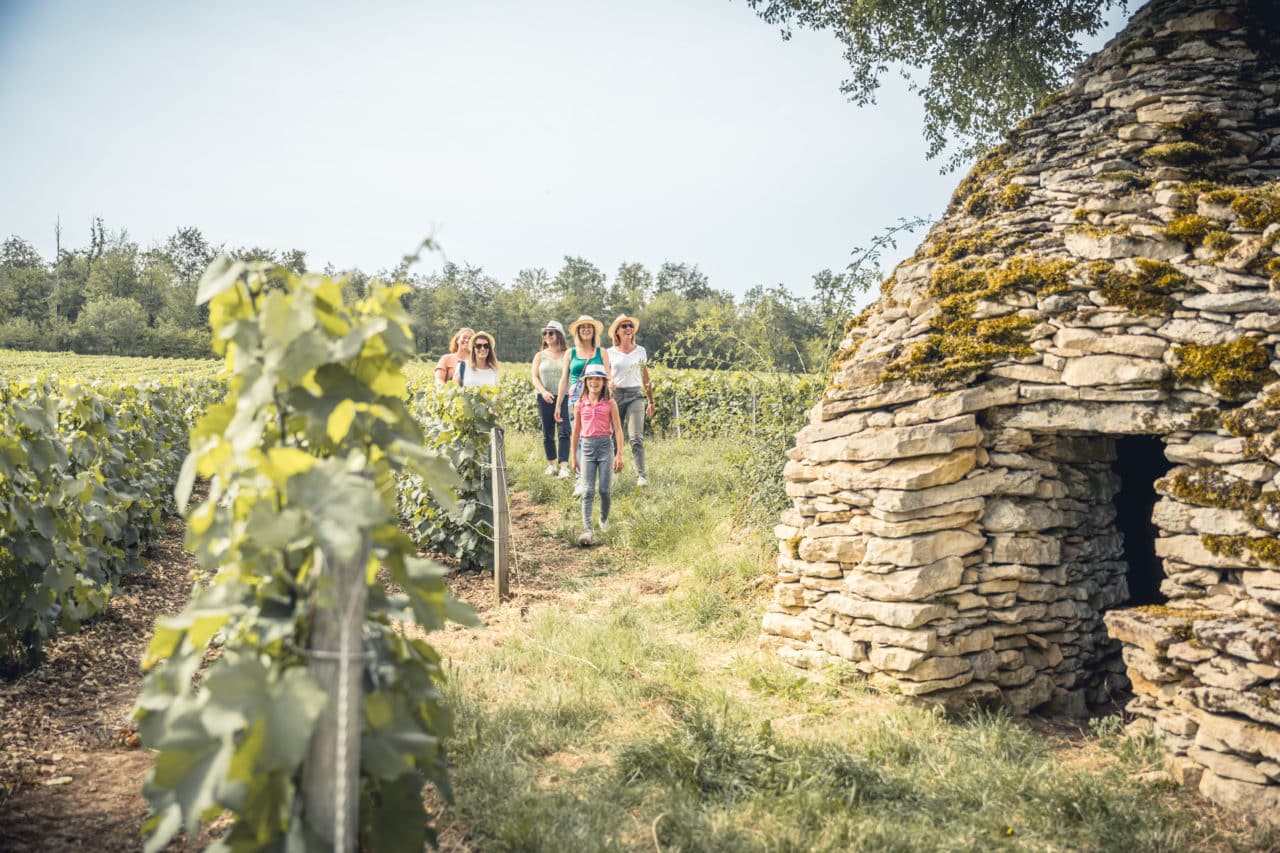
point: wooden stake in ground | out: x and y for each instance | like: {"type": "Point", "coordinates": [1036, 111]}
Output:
{"type": "Point", "coordinates": [331, 777]}
{"type": "Point", "coordinates": [501, 516]}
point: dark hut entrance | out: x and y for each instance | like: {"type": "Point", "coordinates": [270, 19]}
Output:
{"type": "Point", "coordinates": [1140, 461]}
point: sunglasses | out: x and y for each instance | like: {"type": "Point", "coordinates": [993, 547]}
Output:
{"type": "Point", "coordinates": [481, 346]}
{"type": "Point", "coordinates": [626, 325]}
{"type": "Point", "coordinates": [548, 334]}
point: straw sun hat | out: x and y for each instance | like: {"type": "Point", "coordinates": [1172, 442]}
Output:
{"type": "Point", "coordinates": [573, 327]}
{"type": "Point", "coordinates": [623, 318]}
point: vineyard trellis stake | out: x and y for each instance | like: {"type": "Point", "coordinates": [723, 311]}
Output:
{"type": "Point", "coordinates": [331, 777]}
{"type": "Point", "coordinates": [501, 516]}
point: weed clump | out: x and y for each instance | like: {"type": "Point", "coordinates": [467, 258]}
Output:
{"type": "Point", "coordinates": [1233, 370]}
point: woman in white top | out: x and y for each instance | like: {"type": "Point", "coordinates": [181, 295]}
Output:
{"type": "Point", "coordinates": [632, 389]}
{"type": "Point", "coordinates": [482, 367]}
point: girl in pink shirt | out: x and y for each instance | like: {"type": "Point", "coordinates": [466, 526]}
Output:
{"type": "Point", "coordinates": [597, 429]}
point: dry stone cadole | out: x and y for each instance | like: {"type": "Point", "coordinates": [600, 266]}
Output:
{"type": "Point", "coordinates": [1046, 471]}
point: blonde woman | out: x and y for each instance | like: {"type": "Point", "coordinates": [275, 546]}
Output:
{"type": "Point", "coordinates": [482, 367]}
{"type": "Point", "coordinates": [459, 351]}
{"type": "Point", "coordinates": [548, 364]}
{"type": "Point", "coordinates": [586, 332]}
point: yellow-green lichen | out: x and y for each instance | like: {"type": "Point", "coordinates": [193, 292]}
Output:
{"type": "Point", "coordinates": [1233, 370]}
{"type": "Point", "coordinates": [951, 247]}
{"type": "Point", "coordinates": [963, 349]}
{"type": "Point", "coordinates": [1265, 549]}
{"type": "Point", "coordinates": [1211, 487]}
{"type": "Point", "coordinates": [1191, 228]}
{"type": "Point", "coordinates": [1080, 214]}
{"type": "Point", "coordinates": [1013, 196]}
{"type": "Point", "coordinates": [1219, 240]}
{"type": "Point", "coordinates": [1178, 154]}
{"type": "Point", "coordinates": [978, 203]}
{"type": "Point", "coordinates": [1183, 630]}
{"type": "Point", "coordinates": [961, 345]}
{"type": "Point", "coordinates": [1255, 209]}
{"type": "Point", "coordinates": [1145, 291]}
{"type": "Point", "coordinates": [1261, 416]}
{"type": "Point", "coordinates": [992, 162]}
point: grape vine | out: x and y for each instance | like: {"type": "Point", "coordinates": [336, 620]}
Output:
{"type": "Point", "coordinates": [302, 459]}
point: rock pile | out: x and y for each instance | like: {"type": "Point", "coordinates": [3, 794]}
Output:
{"type": "Point", "coordinates": [1111, 271]}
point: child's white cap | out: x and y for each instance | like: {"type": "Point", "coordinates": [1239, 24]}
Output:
{"type": "Point", "coordinates": [594, 370]}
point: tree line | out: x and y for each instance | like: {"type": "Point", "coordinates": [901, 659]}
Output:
{"type": "Point", "coordinates": [114, 297]}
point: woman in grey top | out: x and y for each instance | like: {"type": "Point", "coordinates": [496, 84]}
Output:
{"type": "Point", "coordinates": [632, 388]}
{"type": "Point", "coordinates": [548, 364]}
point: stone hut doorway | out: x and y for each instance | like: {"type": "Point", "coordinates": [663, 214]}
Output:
{"type": "Point", "coordinates": [1087, 534]}
{"type": "Point", "coordinates": [1140, 461]}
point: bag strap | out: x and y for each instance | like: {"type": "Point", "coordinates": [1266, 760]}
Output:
{"type": "Point", "coordinates": [462, 371]}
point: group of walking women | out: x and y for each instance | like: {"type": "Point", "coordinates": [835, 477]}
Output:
{"type": "Point", "coordinates": [591, 400]}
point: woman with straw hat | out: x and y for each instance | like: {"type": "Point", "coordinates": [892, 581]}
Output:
{"type": "Point", "coordinates": [585, 332]}
{"type": "Point", "coordinates": [632, 388]}
{"type": "Point", "coordinates": [482, 367]}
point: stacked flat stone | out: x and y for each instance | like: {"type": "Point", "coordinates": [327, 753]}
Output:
{"type": "Point", "coordinates": [953, 535]}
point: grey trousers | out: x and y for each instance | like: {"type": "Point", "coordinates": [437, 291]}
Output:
{"type": "Point", "coordinates": [631, 405]}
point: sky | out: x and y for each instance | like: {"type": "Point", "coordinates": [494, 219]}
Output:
{"type": "Point", "coordinates": [513, 133]}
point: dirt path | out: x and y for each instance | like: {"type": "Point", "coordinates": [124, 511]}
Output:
{"type": "Point", "coordinates": [71, 771]}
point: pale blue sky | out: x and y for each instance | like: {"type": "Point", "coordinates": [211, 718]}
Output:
{"type": "Point", "coordinates": [516, 133]}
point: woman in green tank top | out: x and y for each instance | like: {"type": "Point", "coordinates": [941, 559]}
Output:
{"type": "Point", "coordinates": [586, 332]}
{"type": "Point", "coordinates": [548, 365]}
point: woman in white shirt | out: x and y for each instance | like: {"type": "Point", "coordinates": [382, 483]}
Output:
{"type": "Point", "coordinates": [632, 389]}
{"type": "Point", "coordinates": [482, 367]}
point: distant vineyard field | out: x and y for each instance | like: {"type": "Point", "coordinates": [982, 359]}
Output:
{"type": "Point", "coordinates": [21, 364]}
{"type": "Point", "coordinates": [91, 446]}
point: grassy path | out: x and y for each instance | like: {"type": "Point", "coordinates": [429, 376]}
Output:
{"type": "Point", "coordinates": [619, 703]}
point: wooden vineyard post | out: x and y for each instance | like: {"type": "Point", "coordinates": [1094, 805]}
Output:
{"type": "Point", "coordinates": [501, 517]}
{"type": "Point", "coordinates": [331, 777]}
{"type": "Point", "coordinates": [676, 414]}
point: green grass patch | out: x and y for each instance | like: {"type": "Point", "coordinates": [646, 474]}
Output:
{"type": "Point", "coordinates": [622, 721]}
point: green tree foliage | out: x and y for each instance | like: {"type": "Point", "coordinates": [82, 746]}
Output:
{"type": "Point", "coordinates": [114, 296]}
{"type": "Point", "coordinates": [979, 66]}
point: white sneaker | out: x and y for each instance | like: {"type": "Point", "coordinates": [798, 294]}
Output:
{"type": "Point", "coordinates": [604, 525]}
{"type": "Point", "coordinates": [551, 469]}
{"type": "Point", "coordinates": [585, 538]}
{"type": "Point", "coordinates": [641, 481]}
{"type": "Point", "coordinates": [579, 488]}
{"type": "Point", "coordinates": [565, 473]}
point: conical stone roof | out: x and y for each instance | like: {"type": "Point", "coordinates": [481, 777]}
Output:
{"type": "Point", "coordinates": [1111, 270]}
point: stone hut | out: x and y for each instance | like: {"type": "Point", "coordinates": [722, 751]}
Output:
{"type": "Point", "coordinates": [1046, 471]}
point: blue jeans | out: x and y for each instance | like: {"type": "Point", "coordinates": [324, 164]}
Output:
{"type": "Point", "coordinates": [575, 392]}
{"type": "Point", "coordinates": [555, 436]}
{"type": "Point", "coordinates": [597, 461]}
